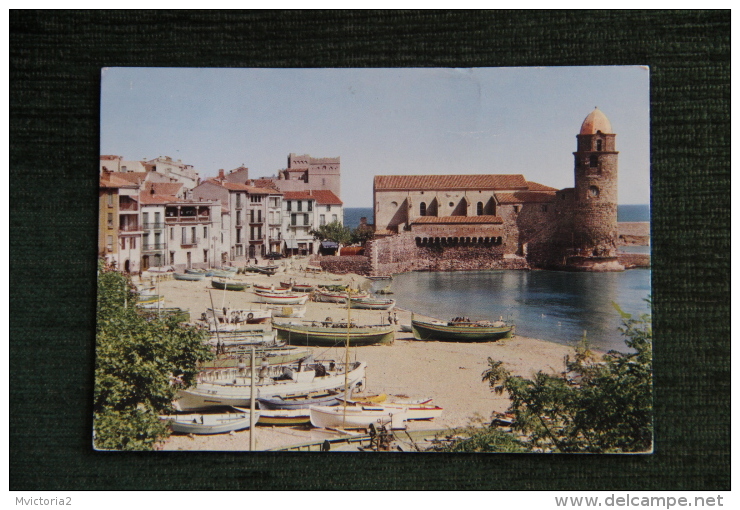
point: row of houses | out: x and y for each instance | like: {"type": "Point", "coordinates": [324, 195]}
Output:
{"type": "Point", "coordinates": [160, 213]}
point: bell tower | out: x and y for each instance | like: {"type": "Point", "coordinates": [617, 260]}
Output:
{"type": "Point", "coordinates": [595, 200]}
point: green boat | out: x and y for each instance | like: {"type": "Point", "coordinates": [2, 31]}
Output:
{"type": "Point", "coordinates": [461, 331]}
{"type": "Point", "coordinates": [216, 284]}
{"type": "Point", "coordinates": [190, 277]}
{"type": "Point", "coordinates": [330, 336]}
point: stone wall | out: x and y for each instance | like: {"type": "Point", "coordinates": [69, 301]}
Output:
{"type": "Point", "coordinates": [634, 260]}
{"type": "Point", "coordinates": [345, 264]}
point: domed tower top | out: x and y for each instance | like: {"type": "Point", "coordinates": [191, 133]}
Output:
{"type": "Point", "coordinates": [596, 121]}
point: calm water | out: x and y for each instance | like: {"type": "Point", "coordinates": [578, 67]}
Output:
{"type": "Point", "coordinates": [550, 305]}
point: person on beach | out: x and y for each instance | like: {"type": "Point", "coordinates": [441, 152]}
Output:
{"type": "Point", "coordinates": [264, 369]}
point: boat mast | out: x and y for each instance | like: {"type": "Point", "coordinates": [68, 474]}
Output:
{"type": "Point", "coordinates": [346, 365]}
{"type": "Point", "coordinates": [215, 320]}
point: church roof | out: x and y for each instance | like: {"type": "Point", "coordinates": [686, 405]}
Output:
{"type": "Point", "coordinates": [450, 182]}
{"type": "Point", "coordinates": [434, 220]}
{"type": "Point", "coordinates": [536, 186]}
{"type": "Point", "coordinates": [594, 122]}
{"type": "Point", "coordinates": [521, 197]}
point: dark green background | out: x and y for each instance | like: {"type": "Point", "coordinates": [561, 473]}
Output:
{"type": "Point", "coordinates": [55, 61]}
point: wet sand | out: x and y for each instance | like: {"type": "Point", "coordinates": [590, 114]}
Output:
{"type": "Point", "coordinates": [448, 372]}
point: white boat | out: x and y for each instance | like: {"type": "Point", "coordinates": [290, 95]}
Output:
{"type": "Point", "coordinates": [415, 410]}
{"type": "Point", "coordinates": [243, 337]}
{"type": "Point", "coordinates": [235, 316]}
{"type": "Point", "coordinates": [282, 416]}
{"type": "Point", "coordinates": [282, 299]}
{"type": "Point", "coordinates": [295, 312]}
{"type": "Point", "coordinates": [357, 417]}
{"type": "Point", "coordinates": [270, 289]}
{"type": "Point", "coordinates": [233, 387]}
{"type": "Point", "coordinates": [326, 296]}
{"type": "Point", "coordinates": [372, 303]}
{"type": "Point", "coordinates": [209, 423]}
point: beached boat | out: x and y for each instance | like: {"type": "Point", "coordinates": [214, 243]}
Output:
{"type": "Point", "coordinates": [236, 316]}
{"type": "Point", "coordinates": [282, 417]}
{"type": "Point", "coordinates": [196, 271]}
{"type": "Point", "coordinates": [330, 334]}
{"type": "Point", "coordinates": [229, 388]}
{"type": "Point", "coordinates": [272, 355]}
{"type": "Point", "coordinates": [270, 289]}
{"type": "Point", "coordinates": [288, 311]}
{"type": "Point", "coordinates": [223, 285]}
{"type": "Point", "coordinates": [219, 273]}
{"type": "Point", "coordinates": [357, 417]}
{"type": "Point", "coordinates": [188, 277]}
{"type": "Point", "coordinates": [372, 303]}
{"type": "Point", "coordinates": [266, 270]}
{"type": "Point", "coordinates": [461, 330]}
{"type": "Point", "coordinates": [244, 338]}
{"type": "Point", "coordinates": [151, 301]}
{"type": "Point", "coordinates": [329, 296]}
{"type": "Point", "coordinates": [422, 409]}
{"type": "Point", "coordinates": [301, 400]}
{"type": "Point", "coordinates": [380, 277]}
{"type": "Point", "coordinates": [281, 299]}
{"type": "Point", "coordinates": [302, 287]}
{"type": "Point", "coordinates": [230, 269]}
{"type": "Point", "coordinates": [209, 423]}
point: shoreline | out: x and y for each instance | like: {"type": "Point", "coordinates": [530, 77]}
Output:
{"type": "Point", "coordinates": [448, 372]}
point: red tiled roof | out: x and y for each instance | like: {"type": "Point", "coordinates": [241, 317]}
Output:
{"type": "Point", "coordinates": [536, 186]}
{"type": "Point", "coordinates": [135, 177]}
{"type": "Point", "coordinates": [521, 197]}
{"type": "Point", "coordinates": [113, 181]}
{"type": "Point", "coordinates": [107, 157]}
{"type": "Point", "coordinates": [430, 220]}
{"type": "Point", "coordinates": [322, 196]}
{"type": "Point", "coordinates": [265, 183]}
{"type": "Point", "coordinates": [149, 199]}
{"type": "Point", "coordinates": [438, 182]}
{"type": "Point", "coordinates": [163, 188]}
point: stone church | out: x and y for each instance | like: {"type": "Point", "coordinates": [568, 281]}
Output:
{"type": "Point", "coordinates": [443, 222]}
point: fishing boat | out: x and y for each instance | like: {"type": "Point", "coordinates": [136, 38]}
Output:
{"type": "Point", "coordinates": [150, 301]}
{"type": "Point", "coordinates": [244, 338]}
{"type": "Point", "coordinates": [329, 334]}
{"type": "Point", "coordinates": [230, 269]}
{"type": "Point", "coordinates": [219, 273]}
{"type": "Point", "coordinates": [266, 270]}
{"type": "Point", "coordinates": [272, 355]}
{"type": "Point", "coordinates": [422, 409]}
{"type": "Point", "coordinates": [223, 285]}
{"type": "Point", "coordinates": [230, 388]}
{"type": "Point", "coordinates": [461, 330]}
{"type": "Point", "coordinates": [357, 417]}
{"type": "Point", "coordinates": [380, 277]}
{"type": "Point", "coordinates": [369, 303]}
{"type": "Point", "coordinates": [209, 423]}
{"type": "Point", "coordinates": [196, 271]}
{"type": "Point", "coordinates": [328, 296]}
{"type": "Point", "coordinates": [236, 316]}
{"type": "Point", "coordinates": [301, 400]}
{"type": "Point", "coordinates": [282, 417]}
{"type": "Point", "coordinates": [302, 287]}
{"type": "Point", "coordinates": [190, 277]}
{"type": "Point", "coordinates": [270, 289]}
{"type": "Point", "coordinates": [288, 311]}
{"type": "Point", "coordinates": [281, 299]}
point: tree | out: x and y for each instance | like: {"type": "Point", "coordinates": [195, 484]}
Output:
{"type": "Point", "coordinates": [362, 234]}
{"type": "Point", "coordinates": [139, 365]}
{"type": "Point", "coordinates": [596, 406]}
{"type": "Point", "coordinates": [478, 439]}
{"type": "Point", "coordinates": [333, 231]}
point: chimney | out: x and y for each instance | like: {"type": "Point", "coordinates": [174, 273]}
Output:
{"type": "Point", "coordinates": [221, 175]}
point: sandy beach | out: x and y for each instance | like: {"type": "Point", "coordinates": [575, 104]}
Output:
{"type": "Point", "coordinates": [448, 372]}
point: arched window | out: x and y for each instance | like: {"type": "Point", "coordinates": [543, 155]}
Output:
{"type": "Point", "coordinates": [593, 191]}
{"type": "Point", "coordinates": [423, 209]}
{"type": "Point", "coordinates": [594, 161]}
{"type": "Point", "coordinates": [598, 145]}
{"type": "Point", "coordinates": [480, 208]}
{"type": "Point", "coordinates": [394, 205]}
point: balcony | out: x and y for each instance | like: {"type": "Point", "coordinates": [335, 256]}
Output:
{"type": "Point", "coordinates": [129, 228]}
{"type": "Point", "coordinates": [170, 220]}
{"type": "Point", "coordinates": [153, 226]}
{"type": "Point", "coordinates": [153, 247]}
{"type": "Point", "coordinates": [189, 244]}
{"type": "Point", "coordinates": [128, 206]}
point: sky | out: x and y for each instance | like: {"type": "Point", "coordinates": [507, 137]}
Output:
{"type": "Point", "coordinates": [399, 121]}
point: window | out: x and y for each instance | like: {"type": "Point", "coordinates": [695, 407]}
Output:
{"type": "Point", "coordinates": [184, 236]}
{"type": "Point", "coordinates": [238, 218]}
{"type": "Point", "coordinates": [205, 232]}
{"type": "Point", "coordinates": [593, 191]}
{"type": "Point", "coordinates": [310, 206]}
{"type": "Point", "coordinates": [110, 243]}
{"type": "Point", "coordinates": [238, 236]}
{"type": "Point", "coordinates": [322, 219]}
{"type": "Point", "coordinates": [289, 205]}
{"type": "Point", "coordinates": [259, 216]}
{"type": "Point", "coordinates": [145, 219]}
{"type": "Point", "coordinates": [255, 199]}
{"type": "Point", "coordinates": [594, 161]}
{"type": "Point", "coordinates": [598, 145]}
{"type": "Point", "coordinates": [172, 233]}
{"type": "Point", "coordinates": [157, 219]}
{"type": "Point", "coordinates": [516, 209]}
{"type": "Point", "coordinates": [110, 199]}
{"type": "Point", "coordinates": [110, 220]}
{"type": "Point", "coordinates": [334, 218]}
{"type": "Point", "coordinates": [292, 219]}
{"type": "Point", "coordinates": [205, 256]}
{"type": "Point", "coordinates": [123, 243]}
{"type": "Point", "coordinates": [305, 219]}
{"type": "Point", "coordinates": [157, 240]}
{"type": "Point", "coordinates": [251, 233]}
{"type": "Point", "coordinates": [423, 209]}
{"type": "Point", "coordinates": [300, 205]}
{"type": "Point", "coordinates": [480, 209]}
{"type": "Point", "coordinates": [452, 204]}
{"type": "Point", "coordinates": [238, 200]}
{"type": "Point", "coordinates": [172, 258]}
{"type": "Point", "coordinates": [251, 216]}
{"type": "Point", "coordinates": [328, 208]}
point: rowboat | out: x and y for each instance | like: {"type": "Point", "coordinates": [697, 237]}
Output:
{"type": "Point", "coordinates": [150, 301]}
{"type": "Point", "coordinates": [196, 271]}
{"type": "Point", "coordinates": [329, 335]}
{"type": "Point", "coordinates": [420, 410]}
{"type": "Point", "coordinates": [461, 331]}
{"type": "Point", "coordinates": [188, 277]}
{"type": "Point", "coordinates": [302, 287]}
{"type": "Point", "coordinates": [230, 269]}
{"type": "Point", "coordinates": [222, 285]}
{"type": "Point", "coordinates": [270, 289]}
{"type": "Point", "coordinates": [357, 417]}
{"type": "Point", "coordinates": [281, 299]}
{"type": "Point", "coordinates": [229, 388]}
{"type": "Point", "coordinates": [301, 400]}
{"type": "Point", "coordinates": [249, 315]}
{"type": "Point", "coordinates": [372, 303]}
{"type": "Point", "coordinates": [288, 311]}
{"type": "Point", "coordinates": [267, 270]}
{"type": "Point", "coordinates": [327, 296]}
{"type": "Point", "coordinates": [273, 356]}
{"type": "Point", "coordinates": [218, 273]}
{"type": "Point", "coordinates": [282, 416]}
{"type": "Point", "coordinates": [243, 338]}
{"type": "Point", "coordinates": [209, 423]}
{"type": "Point", "coordinates": [380, 277]}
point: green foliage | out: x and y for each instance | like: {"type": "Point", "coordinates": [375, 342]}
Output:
{"type": "Point", "coordinates": [362, 234]}
{"type": "Point", "coordinates": [596, 406]}
{"type": "Point", "coordinates": [476, 438]}
{"type": "Point", "coordinates": [333, 231]}
{"type": "Point", "coordinates": [137, 360]}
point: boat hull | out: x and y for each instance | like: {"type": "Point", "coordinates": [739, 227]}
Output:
{"type": "Point", "coordinates": [284, 417]}
{"type": "Point", "coordinates": [187, 277]}
{"type": "Point", "coordinates": [372, 304]}
{"type": "Point", "coordinates": [445, 333]}
{"type": "Point", "coordinates": [302, 401]}
{"type": "Point", "coordinates": [274, 357]}
{"type": "Point", "coordinates": [360, 417]}
{"type": "Point", "coordinates": [329, 337]}
{"type": "Point", "coordinates": [236, 286]}
{"type": "Point", "coordinates": [209, 423]}
{"type": "Point", "coordinates": [282, 299]}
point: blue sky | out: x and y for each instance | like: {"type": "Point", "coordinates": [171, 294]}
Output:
{"type": "Point", "coordinates": [380, 121]}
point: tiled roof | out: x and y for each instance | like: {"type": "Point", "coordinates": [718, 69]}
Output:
{"type": "Point", "coordinates": [536, 186]}
{"type": "Point", "coordinates": [266, 183]}
{"type": "Point", "coordinates": [433, 220]}
{"type": "Point", "coordinates": [149, 199]}
{"type": "Point", "coordinates": [163, 188]}
{"type": "Point", "coordinates": [113, 181]}
{"type": "Point", "coordinates": [135, 177]}
{"type": "Point", "coordinates": [439, 182]}
{"type": "Point", "coordinates": [521, 197]}
{"type": "Point", "coordinates": [107, 157]}
{"type": "Point", "coordinates": [322, 196]}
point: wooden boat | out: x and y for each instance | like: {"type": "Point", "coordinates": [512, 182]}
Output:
{"type": "Point", "coordinates": [273, 356]}
{"type": "Point", "coordinates": [357, 417]}
{"type": "Point", "coordinates": [281, 417]}
{"type": "Point", "coordinates": [372, 303]}
{"type": "Point", "coordinates": [327, 296]}
{"type": "Point", "coordinates": [196, 271]}
{"type": "Point", "coordinates": [209, 423]}
{"type": "Point", "coordinates": [266, 270]}
{"type": "Point", "coordinates": [461, 331]}
{"type": "Point", "coordinates": [229, 388]}
{"type": "Point", "coordinates": [218, 273]}
{"type": "Point", "coordinates": [248, 315]}
{"type": "Point", "coordinates": [223, 285]}
{"type": "Point", "coordinates": [302, 287]}
{"type": "Point", "coordinates": [270, 289]}
{"type": "Point", "coordinates": [288, 311]}
{"type": "Point", "coordinates": [230, 269]}
{"type": "Point", "coordinates": [301, 400]}
{"type": "Point", "coordinates": [150, 301]}
{"type": "Point", "coordinates": [244, 338]}
{"type": "Point", "coordinates": [281, 299]}
{"type": "Point", "coordinates": [380, 277]}
{"type": "Point", "coordinates": [418, 410]}
{"type": "Point", "coordinates": [188, 277]}
{"type": "Point", "coordinates": [329, 335]}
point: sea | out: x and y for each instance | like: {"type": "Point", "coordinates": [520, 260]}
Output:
{"type": "Point", "coordinates": [555, 306]}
